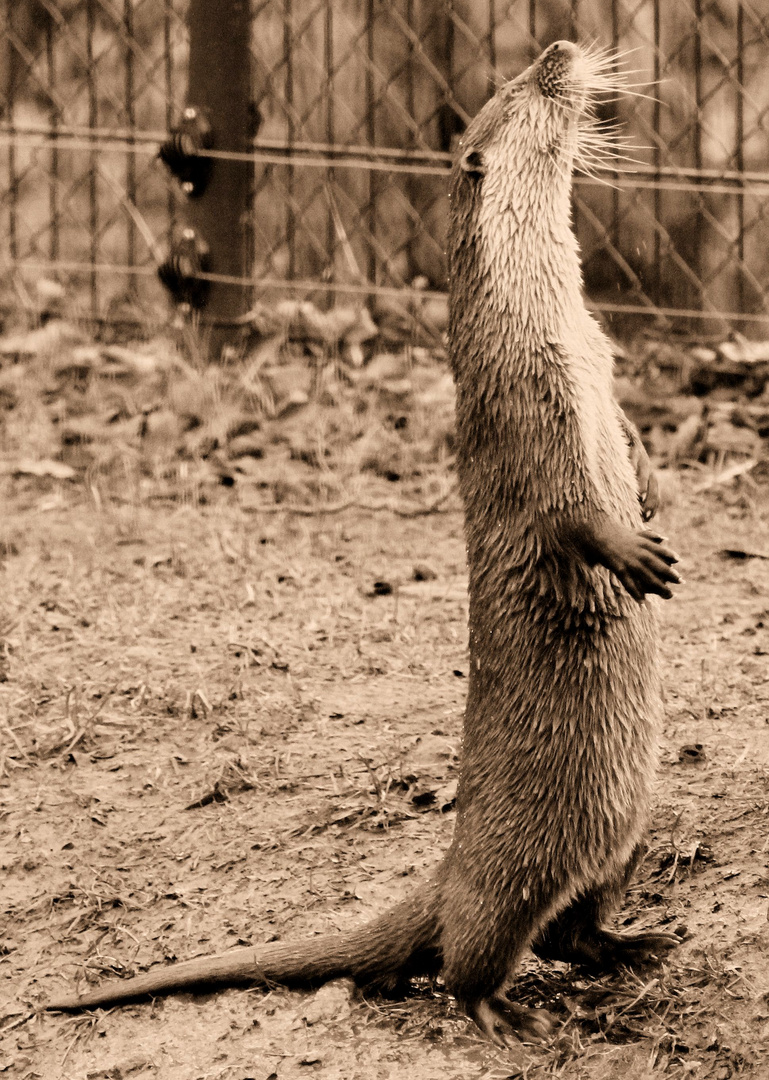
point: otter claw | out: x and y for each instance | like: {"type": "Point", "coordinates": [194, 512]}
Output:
{"type": "Point", "coordinates": [499, 1019]}
{"type": "Point", "coordinates": [643, 948]}
{"type": "Point", "coordinates": [634, 950]}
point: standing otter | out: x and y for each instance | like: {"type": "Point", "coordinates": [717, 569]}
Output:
{"type": "Point", "coordinates": [560, 730]}
{"type": "Point", "coordinates": [560, 724]}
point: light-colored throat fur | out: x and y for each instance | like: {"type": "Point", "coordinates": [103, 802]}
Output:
{"type": "Point", "coordinates": [529, 253]}
{"type": "Point", "coordinates": [529, 257]}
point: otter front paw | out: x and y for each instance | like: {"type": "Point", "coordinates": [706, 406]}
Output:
{"type": "Point", "coordinates": [500, 1020]}
{"type": "Point", "coordinates": [648, 488]}
{"type": "Point", "coordinates": [642, 563]}
{"type": "Point", "coordinates": [638, 558]}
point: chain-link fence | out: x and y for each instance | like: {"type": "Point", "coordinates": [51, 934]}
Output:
{"type": "Point", "coordinates": [360, 105]}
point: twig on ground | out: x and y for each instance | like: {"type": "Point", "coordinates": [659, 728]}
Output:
{"type": "Point", "coordinates": [632, 1004]}
{"type": "Point", "coordinates": [5, 1028]}
{"type": "Point", "coordinates": [436, 506]}
{"type": "Point", "coordinates": [12, 734]}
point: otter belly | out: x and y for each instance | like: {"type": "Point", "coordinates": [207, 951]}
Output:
{"type": "Point", "coordinates": [558, 760]}
{"type": "Point", "coordinates": [560, 745]}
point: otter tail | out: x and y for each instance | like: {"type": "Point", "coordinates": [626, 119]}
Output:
{"type": "Point", "coordinates": [403, 942]}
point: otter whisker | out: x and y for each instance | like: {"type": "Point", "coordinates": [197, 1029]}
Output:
{"type": "Point", "coordinates": [610, 148]}
{"type": "Point", "coordinates": [604, 76]}
{"type": "Point", "coordinates": [646, 97]}
{"type": "Point", "coordinates": [603, 128]}
{"type": "Point", "coordinates": [594, 154]}
{"type": "Point", "coordinates": [595, 150]}
{"type": "Point", "coordinates": [610, 153]}
{"type": "Point", "coordinates": [600, 180]}
{"type": "Point", "coordinates": [596, 171]}
{"type": "Point", "coordinates": [603, 142]}
{"type": "Point", "coordinates": [606, 140]}
{"type": "Point", "coordinates": [595, 53]}
{"type": "Point", "coordinates": [594, 168]}
{"type": "Point", "coordinates": [605, 61]}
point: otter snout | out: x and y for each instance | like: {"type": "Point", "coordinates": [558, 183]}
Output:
{"type": "Point", "coordinates": [556, 72]}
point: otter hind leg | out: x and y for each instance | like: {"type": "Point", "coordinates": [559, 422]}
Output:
{"type": "Point", "coordinates": [577, 934]}
{"type": "Point", "coordinates": [577, 938]}
{"type": "Point", "coordinates": [482, 941]}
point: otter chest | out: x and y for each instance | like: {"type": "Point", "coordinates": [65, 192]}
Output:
{"type": "Point", "coordinates": [605, 450]}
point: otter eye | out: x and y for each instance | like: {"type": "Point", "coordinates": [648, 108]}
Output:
{"type": "Point", "coordinates": [472, 162]}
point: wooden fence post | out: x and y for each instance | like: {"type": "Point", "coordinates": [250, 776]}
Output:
{"type": "Point", "coordinates": [220, 86]}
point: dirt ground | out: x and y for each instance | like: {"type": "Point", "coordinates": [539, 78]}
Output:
{"type": "Point", "coordinates": [220, 726]}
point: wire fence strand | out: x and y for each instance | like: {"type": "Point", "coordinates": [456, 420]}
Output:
{"type": "Point", "coordinates": [361, 107]}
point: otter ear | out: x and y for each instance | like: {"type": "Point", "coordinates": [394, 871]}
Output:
{"type": "Point", "coordinates": [471, 162]}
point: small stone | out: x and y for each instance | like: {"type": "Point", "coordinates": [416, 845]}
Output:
{"type": "Point", "coordinates": [742, 351]}
{"type": "Point", "coordinates": [49, 291]}
{"type": "Point", "coordinates": [51, 338]}
{"type": "Point", "coordinates": [163, 425]}
{"type": "Point", "coordinates": [251, 445]}
{"type": "Point", "coordinates": [685, 442]}
{"type": "Point", "coordinates": [724, 437]}
{"type": "Point", "coordinates": [45, 467]}
{"type": "Point", "coordinates": [703, 354]}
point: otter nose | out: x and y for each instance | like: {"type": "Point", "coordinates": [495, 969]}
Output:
{"type": "Point", "coordinates": [554, 66]}
{"type": "Point", "coordinates": [564, 48]}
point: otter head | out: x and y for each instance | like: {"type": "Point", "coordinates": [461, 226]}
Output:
{"type": "Point", "coordinates": [523, 144]}
{"type": "Point", "coordinates": [511, 246]}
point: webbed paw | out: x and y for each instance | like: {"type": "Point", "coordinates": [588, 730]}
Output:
{"type": "Point", "coordinates": [604, 950]}
{"type": "Point", "coordinates": [639, 558]}
{"type": "Point", "coordinates": [634, 950]}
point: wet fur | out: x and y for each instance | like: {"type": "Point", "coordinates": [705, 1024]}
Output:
{"type": "Point", "coordinates": [560, 723]}
{"type": "Point", "coordinates": [560, 726]}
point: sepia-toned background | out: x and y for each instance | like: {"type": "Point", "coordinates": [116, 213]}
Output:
{"type": "Point", "coordinates": [357, 107]}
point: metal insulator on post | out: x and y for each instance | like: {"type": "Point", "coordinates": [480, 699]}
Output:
{"type": "Point", "coordinates": [182, 271]}
{"type": "Point", "coordinates": [184, 153]}
{"type": "Point", "coordinates": [219, 209]}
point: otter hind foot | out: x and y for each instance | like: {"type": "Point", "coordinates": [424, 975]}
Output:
{"type": "Point", "coordinates": [605, 950]}
{"type": "Point", "coordinates": [501, 1019]}
{"type": "Point", "coordinates": [633, 950]}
